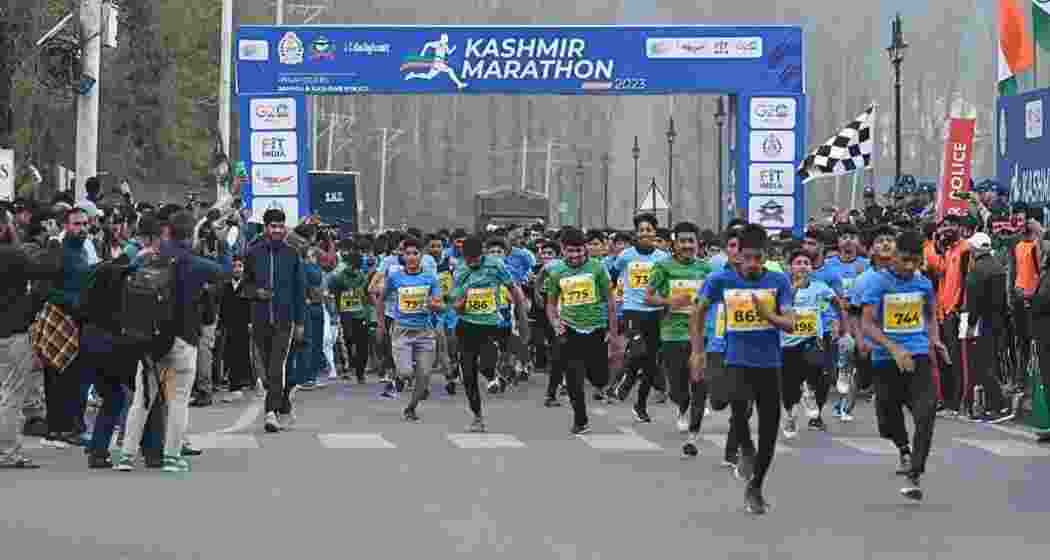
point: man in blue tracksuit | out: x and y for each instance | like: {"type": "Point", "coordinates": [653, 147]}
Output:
{"type": "Point", "coordinates": [274, 279]}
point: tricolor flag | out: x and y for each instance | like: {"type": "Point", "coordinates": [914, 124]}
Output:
{"type": "Point", "coordinates": [1041, 22]}
{"type": "Point", "coordinates": [1015, 49]}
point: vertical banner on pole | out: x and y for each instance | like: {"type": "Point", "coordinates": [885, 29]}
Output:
{"type": "Point", "coordinates": [956, 168]}
{"type": "Point", "coordinates": [275, 147]}
{"type": "Point", "coordinates": [772, 136]}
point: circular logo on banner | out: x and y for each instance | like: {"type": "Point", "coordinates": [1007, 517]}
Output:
{"type": "Point", "coordinates": [772, 146]}
{"type": "Point", "coordinates": [290, 50]}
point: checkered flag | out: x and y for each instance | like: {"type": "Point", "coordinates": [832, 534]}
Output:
{"type": "Point", "coordinates": [843, 153]}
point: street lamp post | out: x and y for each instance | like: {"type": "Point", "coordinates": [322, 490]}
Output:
{"type": "Point", "coordinates": [720, 120]}
{"type": "Point", "coordinates": [670, 170]}
{"type": "Point", "coordinates": [635, 152]}
{"type": "Point", "coordinates": [605, 189]}
{"type": "Point", "coordinates": [579, 193]}
{"type": "Point", "coordinates": [896, 54]}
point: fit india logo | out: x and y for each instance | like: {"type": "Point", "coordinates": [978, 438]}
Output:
{"type": "Point", "coordinates": [431, 61]}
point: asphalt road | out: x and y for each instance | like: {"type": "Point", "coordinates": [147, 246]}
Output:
{"type": "Point", "coordinates": [353, 479]}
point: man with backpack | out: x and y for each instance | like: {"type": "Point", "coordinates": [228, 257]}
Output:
{"type": "Point", "coordinates": [174, 350]}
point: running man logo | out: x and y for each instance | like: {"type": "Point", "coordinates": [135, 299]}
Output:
{"type": "Point", "coordinates": [433, 64]}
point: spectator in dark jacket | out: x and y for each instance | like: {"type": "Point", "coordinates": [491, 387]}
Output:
{"type": "Point", "coordinates": [16, 359]}
{"type": "Point", "coordinates": [274, 279]}
{"type": "Point", "coordinates": [234, 321]}
{"type": "Point", "coordinates": [986, 305]}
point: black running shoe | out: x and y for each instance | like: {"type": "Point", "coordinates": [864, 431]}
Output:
{"type": "Point", "coordinates": [912, 490]}
{"type": "Point", "coordinates": [580, 430]}
{"type": "Point", "coordinates": [641, 415]}
{"type": "Point", "coordinates": [754, 502]}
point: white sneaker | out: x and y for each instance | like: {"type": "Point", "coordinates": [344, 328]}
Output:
{"type": "Point", "coordinates": [846, 417]}
{"type": "Point", "coordinates": [791, 423]}
{"type": "Point", "coordinates": [53, 443]}
{"type": "Point", "coordinates": [233, 396]}
{"type": "Point", "coordinates": [682, 419]}
{"type": "Point", "coordinates": [271, 424]}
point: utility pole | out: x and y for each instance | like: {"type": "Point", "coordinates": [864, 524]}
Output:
{"type": "Point", "coordinates": [524, 158]}
{"type": "Point", "coordinates": [382, 179]}
{"type": "Point", "coordinates": [225, 88]}
{"type": "Point", "coordinates": [87, 103]}
{"type": "Point", "coordinates": [279, 16]}
{"type": "Point", "coordinates": [331, 138]}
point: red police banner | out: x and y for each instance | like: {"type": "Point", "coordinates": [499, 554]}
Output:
{"type": "Point", "coordinates": [957, 168]}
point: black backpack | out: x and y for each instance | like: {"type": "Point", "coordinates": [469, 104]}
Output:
{"type": "Point", "coordinates": [148, 311]}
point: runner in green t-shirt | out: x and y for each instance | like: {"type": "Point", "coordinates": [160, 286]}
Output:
{"type": "Point", "coordinates": [579, 309]}
{"type": "Point", "coordinates": [349, 286]}
{"type": "Point", "coordinates": [674, 284]}
{"type": "Point", "coordinates": [475, 297]}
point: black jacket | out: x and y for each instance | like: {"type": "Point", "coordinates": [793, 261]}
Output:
{"type": "Point", "coordinates": [235, 313]}
{"type": "Point", "coordinates": [986, 294]}
{"type": "Point", "coordinates": [20, 267]}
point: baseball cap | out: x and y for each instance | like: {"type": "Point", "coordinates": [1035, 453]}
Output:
{"type": "Point", "coordinates": [980, 242]}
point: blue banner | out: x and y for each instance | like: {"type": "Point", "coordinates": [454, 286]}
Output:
{"type": "Point", "coordinates": [559, 60]}
{"type": "Point", "coordinates": [1022, 147]}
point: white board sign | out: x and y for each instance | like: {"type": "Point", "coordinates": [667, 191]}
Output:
{"type": "Point", "coordinates": [7, 175]}
{"type": "Point", "coordinates": [275, 179]}
{"type": "Point", "coordinates": [773, 212]}
{"type": "Point", "coordinates": [275, 147]}
{"type": "Point", "coordinates": [290, 205]}
{"type": "Point", "coordinates": [771, 178]}
{"type": "Point", "coordinates": [772, 145]}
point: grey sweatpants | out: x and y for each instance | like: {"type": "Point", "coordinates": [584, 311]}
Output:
{"type": "Point", "coordinates": [16, 368]}
{"type": "Point", "coordinates": [413, 351]}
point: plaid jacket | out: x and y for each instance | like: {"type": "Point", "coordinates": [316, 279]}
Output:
{"type": "Point", "coordinates": [55, 337]}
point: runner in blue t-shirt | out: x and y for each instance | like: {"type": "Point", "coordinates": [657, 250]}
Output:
{"type": "Point", "coordinates": [899, 317]}
{"type": "Point", "coordinates": [758, 307]}
{"type": "Point", "coordinates": [641, 320]}
{"type": "Point", "coordinates": [416, 296]}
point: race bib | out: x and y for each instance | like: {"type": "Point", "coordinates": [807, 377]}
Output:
{"type": "Point", "coordinates": [445, 281]}
{"type": "Point", "coordinates": [638, 274]}
{"type": "Point", "coordinates": [351, 301]}
{"type": "Point", "coordinates": [619, 290]}
{"type": "Point", "coordinates": [689, 288]}
{"type": "Point", "coordinates": [720, 321]}
{"type": "Point", "coordinates": [807, 322]}
{"type": "Point", "coordinates": [578, 290]}
{"type": "Point", "coordinates": [741, 315]}
{"type": "Point", "coordinates": [902, 313]}
{"type": "Point", "coordinates": [847, 284]}
{"type": "Point", "coordinates": [481, 301]}
{"type": "Point", "coordinates": [504, 295]}
{"type": "Point", "coordinates": [412, 299]}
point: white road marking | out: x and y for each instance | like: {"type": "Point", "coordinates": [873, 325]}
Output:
{"type": "Point", "coordinates": [223, 441]}
{"type": "Point", "coordinates": [1006, 447]}
{"type": "Point", "coordinates": [354, 441]}
{"type": "Point", "coordinates": [485, 441]}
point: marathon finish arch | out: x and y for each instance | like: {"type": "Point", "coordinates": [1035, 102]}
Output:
{"type": "Point", "coordinates": [763, 66]}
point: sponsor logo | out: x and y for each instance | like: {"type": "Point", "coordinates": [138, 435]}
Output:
{"type": "Point", "coordinates": [290, 50]}
{"type": "Point", "coordinates": [333, 197]}
{"type": "Point", "coordinates": [772, 211]}
{"type": "Point", "coordinates": [703, 47]}
{"type": "Point", "coordinates": [275, 180]}
{"type": "Point", "coordinates": [322, 49]}
{"type": "Point", "coordinates": [273, 114]}
{"type": "Point", "coordinates": [772, 145]}
{"type": "Point", "coordinates": [358, 47]}
{"type": "Point", "coordinates": [290, 206]}
{"type": "Point", "coordinates": [771, 178]}
{"type": "Point", "coordinates": [1033, 119]}
{"type": "Point", "coordinates": [274, 147]}
{"type": "Point", "coordinates": [253, 50]}
{"type": "Point", "coordinates": [772, 112]}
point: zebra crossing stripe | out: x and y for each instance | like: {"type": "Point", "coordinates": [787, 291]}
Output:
{"type": "Point", "coordinates": [485, 441]}
{"type": "Point", "coordinates": [217, 440]}
{"type": "Point", "coordinates": [1006, 447]}
{"type": "Point", "coordinates": [870, 446]}
{"type": "Point", "coordinates": [719, 441]}
{"type": "Point", "coordinates": [354, 441]}
{"type": "Point", "coordinates": [626, 440]}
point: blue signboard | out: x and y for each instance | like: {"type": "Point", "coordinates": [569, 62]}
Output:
{"type": "Point", "coordinates": [1023, 147]}
{"type": "Point", "coordinates": [277, 67]}
{"type": "Point", "coordinates": [524, 60]}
